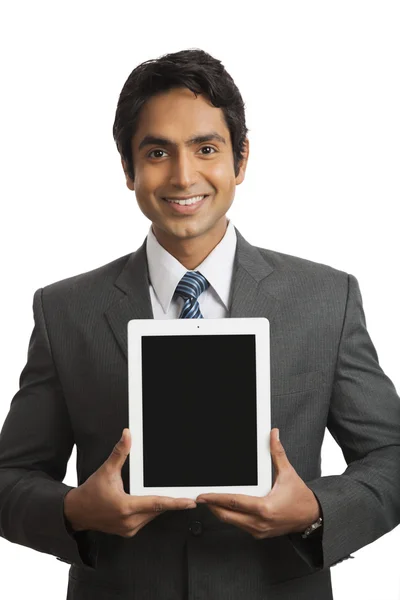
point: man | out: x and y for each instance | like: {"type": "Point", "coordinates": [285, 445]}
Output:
{"type": "Point", "coordinates": [180, 130]}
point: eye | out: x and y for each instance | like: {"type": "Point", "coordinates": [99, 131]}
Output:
{"type": "Point", "coordinates": [150, 153]}
{"type": "Point", "coordinates": [210, 148]}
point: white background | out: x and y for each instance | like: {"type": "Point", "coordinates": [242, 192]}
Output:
{"type": "Point", "coordinates": [321, 85]}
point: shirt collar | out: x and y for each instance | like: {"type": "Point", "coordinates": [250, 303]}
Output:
{"type": "Point", "coordinates": [165, 271]}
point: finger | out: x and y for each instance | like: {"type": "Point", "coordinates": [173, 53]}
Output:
{"type": "Point", "coordinates": [120, 452]}
{"type": "Point", "coordinates": [249, 523]}
{"type": "Point", "coordinates": [157, 504]}
{"type": "Point", "coordinates": [149, 518]}
{"type": "Point", "coordinates": [259, 529]}
{"type": "Point", "coordinates": [278, 454]}
{"type": "Point", "coordinates": [235, 502]}
{"type": "Point", "coordinates": [138, 522]}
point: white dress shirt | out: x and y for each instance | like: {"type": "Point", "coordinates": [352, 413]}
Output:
{"type": "Point", "coordinates": [166, 271]}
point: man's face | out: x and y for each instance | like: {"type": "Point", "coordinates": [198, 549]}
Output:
{"type": "Point", "coordinates": [172, 165]}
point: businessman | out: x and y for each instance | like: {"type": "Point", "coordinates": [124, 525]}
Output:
{"type": "Point", "coordinates": [181, 133]}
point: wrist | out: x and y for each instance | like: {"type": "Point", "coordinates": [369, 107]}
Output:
{"type": "Point", "coordinates": [315, 522]}
{"type": "Point", "coordinates": [315, 509]}
{"type": "Point", "coordinates": [313, 527]}
{"type": "Point", "coordinates": [71, 511]}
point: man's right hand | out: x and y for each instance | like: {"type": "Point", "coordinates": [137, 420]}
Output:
{"type": "Point", "coordinates": [101, 504]}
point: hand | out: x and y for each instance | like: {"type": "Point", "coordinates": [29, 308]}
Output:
{"type": "Point", "coordinates": [289, 507]}
{"type": "Point", "coordinates": [100, 503]}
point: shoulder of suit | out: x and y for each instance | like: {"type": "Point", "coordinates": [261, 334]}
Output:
{"type": "Point", "coordinates": [104, 276]}
{"type": "Point", "coordinates": [100, 277]}
{"type": "Point", "coordinates": [290, 265]}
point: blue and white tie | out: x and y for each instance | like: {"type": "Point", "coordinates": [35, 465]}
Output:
{"type": "Point", "coordinates": [192, 284]}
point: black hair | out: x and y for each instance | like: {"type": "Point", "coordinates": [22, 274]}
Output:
{"type": "Point", "coordinates": [199, 72]}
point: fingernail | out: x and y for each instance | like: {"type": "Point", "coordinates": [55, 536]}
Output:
{"type": "Point", "coordinates": [191, 505]}
{"type": "Point", "coordinates": [122, 438]}
{"type": "Point", "coordinates": [201, 500]}
{"type": "Point", "coordinates": [277, 434]}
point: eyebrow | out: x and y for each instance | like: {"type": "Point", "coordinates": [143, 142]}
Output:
{"type": "Point", "coordinates": [196, 139]}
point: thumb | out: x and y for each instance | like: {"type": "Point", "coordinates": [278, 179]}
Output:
{"type": "Point", "coordinates": [278, 454]}
{"type": "Point", "coordinates": [120, 452]}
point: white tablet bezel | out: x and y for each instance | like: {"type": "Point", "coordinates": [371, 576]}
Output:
{"type": "Point", "coordinates": [147, 327]}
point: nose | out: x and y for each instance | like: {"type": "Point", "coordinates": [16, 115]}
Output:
{"type": "Point", "coordinates": [183, 171]}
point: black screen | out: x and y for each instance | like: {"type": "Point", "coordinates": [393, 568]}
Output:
{"type": "Point", "coordinates": [199, 410]}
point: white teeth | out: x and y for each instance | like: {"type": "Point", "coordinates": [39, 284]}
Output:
{"type": "Point", "coordinates": [186, 202]}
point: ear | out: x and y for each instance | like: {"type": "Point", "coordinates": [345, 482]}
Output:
{"type": "Point", "coordinates": [129, 182]}
{"type": "Point", "coordinates": [243, 164]}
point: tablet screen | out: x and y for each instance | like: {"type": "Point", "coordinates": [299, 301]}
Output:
{"type": "Point", "coordinates": [199, 410]}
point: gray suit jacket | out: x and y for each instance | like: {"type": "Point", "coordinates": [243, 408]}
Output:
{"type": "Point", "coordinates": [324, 373]}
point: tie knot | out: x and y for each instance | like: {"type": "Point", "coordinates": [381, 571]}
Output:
{"type": "Point", "coordinates": [192, 284]}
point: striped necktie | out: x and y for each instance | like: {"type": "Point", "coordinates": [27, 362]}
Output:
{"type": "Point", "coordinates": [192, 284]}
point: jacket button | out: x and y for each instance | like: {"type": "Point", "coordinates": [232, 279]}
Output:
{"type": "Point", "coordinates": [196, 528]}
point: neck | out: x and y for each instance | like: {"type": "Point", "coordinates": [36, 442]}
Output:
{"type": "Point", "coordinates": [191, 252]}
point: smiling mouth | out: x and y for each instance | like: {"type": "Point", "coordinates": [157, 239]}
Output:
{"type": "Point", "coordinates": [186, 202]}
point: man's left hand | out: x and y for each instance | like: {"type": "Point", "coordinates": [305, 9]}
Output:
{"type": "Point", "coordinates": [289, 507]}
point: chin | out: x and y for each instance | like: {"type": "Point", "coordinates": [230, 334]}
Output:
{"type": "Point", "coordinates": [182, 230]}
{"type": "Point", "coordinates": [188, 228]}
{"type": "Point", "coordinates": [187, 232]}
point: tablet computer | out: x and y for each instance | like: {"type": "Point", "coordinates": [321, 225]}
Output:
{"type": "Point", "coordinates": [199, 406]}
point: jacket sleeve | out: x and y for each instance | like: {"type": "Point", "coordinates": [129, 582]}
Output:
{"type": "Point", "coordinates": [36, 442]}
{"type": "Point", "coordinates": [363, 503]}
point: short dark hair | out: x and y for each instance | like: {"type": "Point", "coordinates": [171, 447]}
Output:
{"type": "Point", "coordinates": [199, 72]}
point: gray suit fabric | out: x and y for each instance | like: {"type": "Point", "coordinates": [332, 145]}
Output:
{"type": "Point", "coordinates": [74, 390]}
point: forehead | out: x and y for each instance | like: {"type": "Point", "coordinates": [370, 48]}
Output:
{"type": "Point", "coordinates": [177, 113]}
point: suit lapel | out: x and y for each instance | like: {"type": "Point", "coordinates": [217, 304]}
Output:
{"type": "Point", "coordinates": [249, 297]}
{"type": "Point", "coordinates": [136, 302]}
